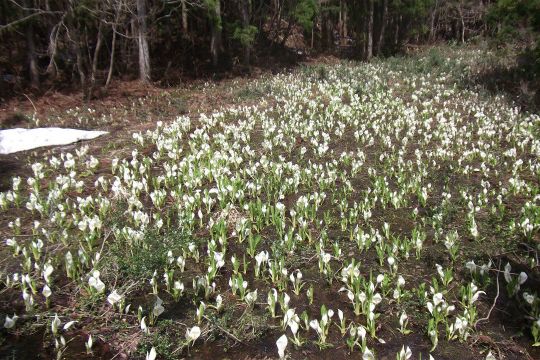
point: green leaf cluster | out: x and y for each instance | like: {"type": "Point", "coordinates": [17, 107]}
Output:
{"type": "Point", "coordinates": [245, 35]}
{"type": "Point", "coordinates": [305, 12]}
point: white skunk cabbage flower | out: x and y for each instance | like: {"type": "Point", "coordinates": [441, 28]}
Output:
{"type": "Point", "coordinates": [281, 344]}
{"type": "Point", "coordinates": [158, 307]}
{"type": "Point", "coordinates": [368, 355]}
{"type": "Point", "coordinates": [10, 321]}
{"type": "Point", "coordinates": [68, 325]}
{"type": "Point", "coordinates": [405, 353]}
{"type": "Point", "coordinates": [114, 298]}
{"type": "Point", "coordinates": [152, 354]}
{"type": "Point", "coordinates": [95, 282]}
{"type": "Point", "coordinates": [193, 334]}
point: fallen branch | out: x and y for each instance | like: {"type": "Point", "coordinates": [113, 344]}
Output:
{"type": "Point", "coordinates": [220, 328]}
{"type": "Point", "coordinates": [494, 300]}
{"type": "Point", "coordinates": [31, 102]}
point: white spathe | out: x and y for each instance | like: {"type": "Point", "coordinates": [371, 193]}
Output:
{"type": "Point", "coordinates": [14, 140]}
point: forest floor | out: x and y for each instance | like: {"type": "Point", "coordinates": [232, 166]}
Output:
{"type": "Point", "coordinates": [405, 193]}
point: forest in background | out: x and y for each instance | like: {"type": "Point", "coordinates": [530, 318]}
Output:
{"type": "Point", "coordinates": [85, 44]}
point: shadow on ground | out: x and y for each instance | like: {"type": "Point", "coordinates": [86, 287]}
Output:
{"type": "Point", "coordinates": [8, 168]}
{"type": "Point", "coordinates": [520, 82]}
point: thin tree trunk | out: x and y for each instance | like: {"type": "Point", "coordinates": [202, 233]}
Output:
{"type": "Point", "coordinates": [432, 21]}
{"type": "Point", "coordinates": [184, 17]}
{"type": "Point", "coordinates": [383, 27]}
{"type": "Point", "coordinates": [80, 65]}
{"type": "Point", "coordinates": [31, 53]}
{"type": "Point", "coordinates": [95, 59]}
{"type": "Point", "coordinates": [127, 49]}
{"type": "Point", "coordinates": [323, 36]}
{"type": "Point", "coordinates": [111, 62]}
{"type": "Point", "coordinates": [52, 69]}
{"type": "Point", "coordinates": [396, 33]}
{"type": "Point", "coordinates": [73, 32]}
{"type": "Point", "coordinates": [340, 20]}
{"type": "Point", "coordinates": [369, 50]}
{"type": "Point", "coordinates": [245, 10]}
{"type": "Point", "coordinates": [329, 35]}
{"type": "Point", "coordinates": [144, 53]}
{"type": "Point", "coordinates": [460, 10]}
{"type": "Point", "coordinates": [216, 33]}
{"type": "Point", "coordinates": [345, 21]}
{"type": "Point", "coordinates": [343, 28]}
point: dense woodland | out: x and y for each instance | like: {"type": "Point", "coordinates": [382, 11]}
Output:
{"type": "Point", "coordinates": [84, 44]}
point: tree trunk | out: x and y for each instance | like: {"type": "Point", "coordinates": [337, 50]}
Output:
{"type": "Point", "coordinates": [80, 64]}
{"type": "Point", "coordinates": [324, 36]}
{"type": "Point", "coordinates": [73, 32]}
{"type": "Point", "coordinates": [95, 60]}
{"type": "Point", "coordinates": [329, 33]}
{"type": "Point", "coordinates": [216, 42]}
{"type": "Point", "coordinates": [432, 21]}
{"type": "Point", "coordinates": [127, 51]}
{"type": "Point", "coordinates": [396, 32]}
{"type": "Point", "coordinates": [460, 10]}
{"type": "Point", "coordinates": [369, 49]}
{"type": "Point", "coordinates": [345, 22]}
{"type": "Point", "coordinates": [184, 18]}
{"type": "Point", "coordinates": [383, 27]}
{"type": "Point", "coordinates": [144, 53]}
{"type": "Point", "coordinates": [111, 62]}
{"type": "Point", "coordinates": [340, 20]}
{"type": "Point", "coordinates": [52, 69]}
{"type": "Point", "coordinates": [245, 10]}
{"type": "Point", "coordinates": [31, 53]}
{"type": "Point", "coordinates": [344, 29]}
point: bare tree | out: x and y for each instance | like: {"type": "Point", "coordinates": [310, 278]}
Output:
{"type": "Point", "coordinates": [95, 59]}
{"type": "Point", "coordinates": [433, 16]}
{"type": "Point", "coordinates": [245, 11]}
{"type": "Point", "coordinates": [216, 28]}
{"type": "Point", "coordinates": [142, 40]}
{"type": "Point", "coordinates": [31, 50]}
{"type": "Point", "coordinates": [184, 10]}
{"type": "Point", "coordinates": [369, 48]}
{"type": "Point", "coordinates": [116, 7]}
{"type": "Point", "coordinates": [383, 26]}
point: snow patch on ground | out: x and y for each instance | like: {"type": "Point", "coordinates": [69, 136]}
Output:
{"type": "Point", "coordinates": [14, 140]}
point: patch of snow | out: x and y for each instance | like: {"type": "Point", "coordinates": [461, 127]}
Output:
{"type": "Point", "coordinates": [14, 140]}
